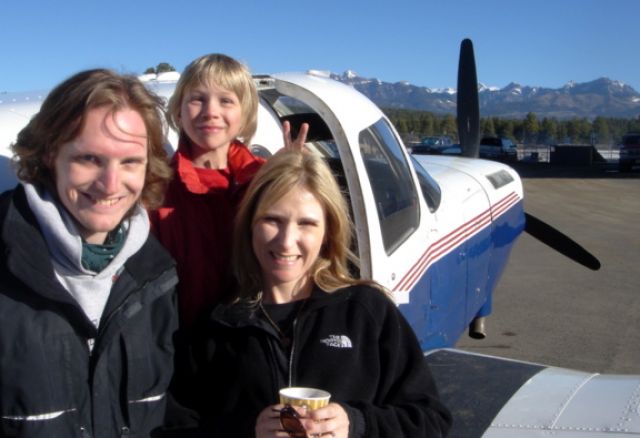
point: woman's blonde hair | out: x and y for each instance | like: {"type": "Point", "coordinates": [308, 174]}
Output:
{"type": "Point", "coordinates": [283, 172]}
{"type": "Point", "coordinates": [225, 72]}
{"type": "Point", "coordinates": [61, 119]}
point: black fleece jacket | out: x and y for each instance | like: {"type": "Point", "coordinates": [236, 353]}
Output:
{"type": "Point", "coordinates": [353, 343]}
{"type": "Point", "coordinates": [51, 384]}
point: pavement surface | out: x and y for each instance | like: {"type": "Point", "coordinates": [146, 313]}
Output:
{"type": "Point", "coordinates": [550, 310]}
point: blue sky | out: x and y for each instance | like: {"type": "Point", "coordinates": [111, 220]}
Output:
{"type": "Point", "coordinates": [537, 43]}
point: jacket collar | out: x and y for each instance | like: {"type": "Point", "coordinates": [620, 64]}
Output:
{"type": "Point", "coordinates": [26, 253]}
{"type": "Point", "coordinates": [242, 165]}
{"type": "Point", "coordinates": [28, 259]}
{"type": "Point", "coordinates": [243, 314]}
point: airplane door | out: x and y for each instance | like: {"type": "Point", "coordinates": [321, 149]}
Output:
{"type": "Point", "coordinates": [396, 209]}
{"type": "Point", "coordinates": [383, 192]}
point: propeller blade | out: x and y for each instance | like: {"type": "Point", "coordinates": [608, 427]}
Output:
{"type": "Point", "coordinates": [566, 246]}
{"type": "Point", "coordinates": [468, 107]}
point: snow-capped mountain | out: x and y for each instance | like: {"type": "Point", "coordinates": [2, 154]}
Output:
{"type": "Point", "coordinates": [601, 97]}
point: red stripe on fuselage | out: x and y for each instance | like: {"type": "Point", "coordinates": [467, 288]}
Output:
{"type": "Point", "coordinates": [453, 239]}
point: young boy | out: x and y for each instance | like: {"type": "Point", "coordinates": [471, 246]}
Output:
{"type": "Point", "coordinates": [215, 109]}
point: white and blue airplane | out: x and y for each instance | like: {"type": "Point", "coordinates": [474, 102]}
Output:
{"type": "Point", "coordinates": [437, 231]}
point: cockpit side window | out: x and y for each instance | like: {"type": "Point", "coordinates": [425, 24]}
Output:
{"type": "Point", "coordinates": [393, 189]}
{"type": "Point", "coordinates": [430, 188]}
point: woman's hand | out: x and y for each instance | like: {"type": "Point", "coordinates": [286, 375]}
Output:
{"type": "Point", "coordinates": [298, 143]}
{"type": "Point", "coordinates": [330, 421]}
{"type": "Point", "coordinates": [268, 423]}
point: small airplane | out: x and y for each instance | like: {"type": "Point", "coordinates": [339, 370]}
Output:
{"type": "Point", "coordinates": [436, 231]}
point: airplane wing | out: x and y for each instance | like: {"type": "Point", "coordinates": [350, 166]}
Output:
{"type": "Point", "coordinates": [492, 397]}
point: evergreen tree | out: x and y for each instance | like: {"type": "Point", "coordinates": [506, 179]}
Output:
{"type": "Point", "coordinates": [487, 127]}
{"type": "Point", "coordinates": [519, 131]}
{"type": "Point", "coordinates": [634, 125]}
{"type": "Point", "coordinates": [579, 130]}
{"type": "Point", "coordinates": [402, 128]}
{"type": "Point", "coordinates": [412, 122]}
{"type": "Point", "coordinates": [548, 131]}
{"type": "Point", "coordinates": [530, 127]}
{"type": "Point", "coordinates": [504, 128]}
{"type": "Point", "coordinates": [448, 126]}
{"type": "Point", "coordinates": [164, 67]}
{"type": "Point", "coordinates": [160, 68]}
{"type": "Point", "coordinates": [426, 124]}
{"type": "Point", "coordinates": [414, 125]}
{"type": "Point", "coordinates": [563, 134]}
{"type": "Point", "coordinates": [601, 130]}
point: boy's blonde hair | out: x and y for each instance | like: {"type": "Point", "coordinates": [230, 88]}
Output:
{"type": "Point", "coordinates": [225, 72]}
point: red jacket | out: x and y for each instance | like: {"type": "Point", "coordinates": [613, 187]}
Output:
{"type": "Point", "coordinates": [195, 224]}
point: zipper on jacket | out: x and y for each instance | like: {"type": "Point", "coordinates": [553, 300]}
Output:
{"type": "Point", "coordinates": [132, 297]}
{"type": "Point", "coordinates": [274, 344]}
{"type": "Point", "coordinates": [293, 349]}
{"type": "Point", "coordinates": [166, 286]}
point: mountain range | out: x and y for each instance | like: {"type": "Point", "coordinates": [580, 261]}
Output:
{"type": "Point", "coordinates": [601, 97]}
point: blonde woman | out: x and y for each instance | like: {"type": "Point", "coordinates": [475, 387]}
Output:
{"type": "Point", "coordinates": [300, 319]}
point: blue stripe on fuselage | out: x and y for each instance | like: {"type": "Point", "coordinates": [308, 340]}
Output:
{"type": "Point", "coordinates": [459, 285]}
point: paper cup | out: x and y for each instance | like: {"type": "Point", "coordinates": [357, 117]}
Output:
{"type": "Point", "coordinates": [312, 398]}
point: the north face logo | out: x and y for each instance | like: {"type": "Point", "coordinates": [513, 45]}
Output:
{"type": "Point", "coordinates": [337, 341]}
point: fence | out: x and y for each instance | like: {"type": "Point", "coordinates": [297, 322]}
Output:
{"type": "Point", "coordinates": [542, 153]}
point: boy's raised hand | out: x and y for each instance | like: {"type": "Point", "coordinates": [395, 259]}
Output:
{"type": "Point", "coordinates": [300, 140]}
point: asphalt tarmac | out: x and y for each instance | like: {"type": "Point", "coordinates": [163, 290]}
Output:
{"type": "Point", "coordinates": [550, 310]}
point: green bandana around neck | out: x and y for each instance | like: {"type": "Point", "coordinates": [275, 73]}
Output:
{"type": "Point", "coordinates": [96, 257]}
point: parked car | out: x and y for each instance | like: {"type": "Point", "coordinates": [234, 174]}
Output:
{"type": "Point", "coordinates": [436, 145]}
{"type": "Point", "coordinates": [629, 151]}
{"type": "Point", "coordinates": [498, 148]}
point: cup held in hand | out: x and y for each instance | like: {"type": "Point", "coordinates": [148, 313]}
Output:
{"type": "Point", "coordinates": [312, 398]}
